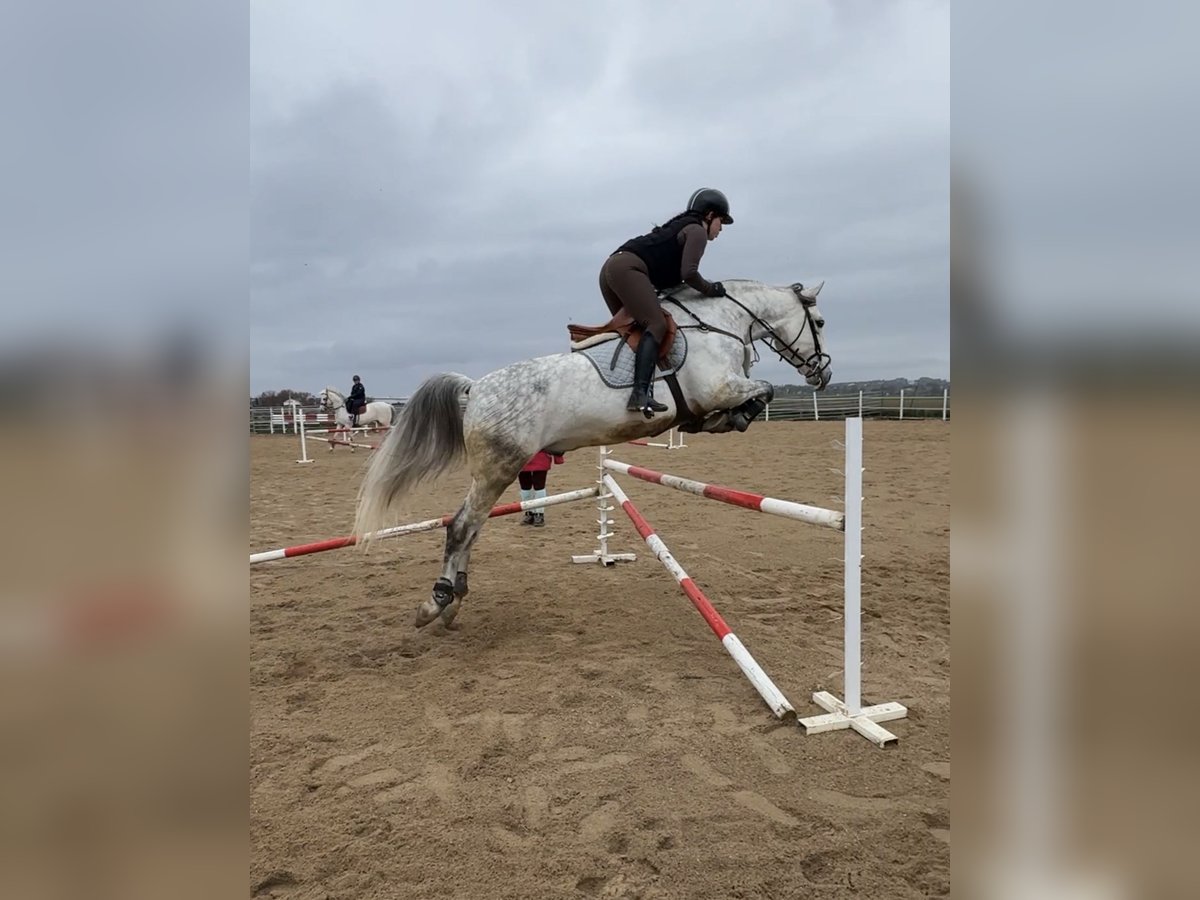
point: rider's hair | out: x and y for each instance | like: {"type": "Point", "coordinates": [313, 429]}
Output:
{"type": "Point", "coordinates": [678, 215]}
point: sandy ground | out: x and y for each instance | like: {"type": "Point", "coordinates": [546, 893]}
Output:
{"type": "Point", "coordinates": [584, 733]}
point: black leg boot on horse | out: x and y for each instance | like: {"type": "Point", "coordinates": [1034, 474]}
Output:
{"type": "Point", "coordinates": [642, 399]}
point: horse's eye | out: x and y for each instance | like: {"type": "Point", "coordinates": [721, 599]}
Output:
{"type": "Point", "coordinates": [820, 323]}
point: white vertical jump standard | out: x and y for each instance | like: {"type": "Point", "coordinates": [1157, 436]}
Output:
{"type": "Point", "coordinates": [298, 416]}
{"type": "Point", "coordinates": [751, 669]}
{"type": "Point", "coordinates": [603, 507]}
{"type": "Point", "coordinates": [839, 715]}
{"type": "Point", "coordinates": [851, 714]}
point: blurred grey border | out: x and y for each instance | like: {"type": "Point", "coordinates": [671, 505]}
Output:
{"type": "Point", "coordinates": [123, 384]}
{"type": "Point", "coordinates": [1075, 327]}
{"type": "Point", "coordinates": [1075, 337]}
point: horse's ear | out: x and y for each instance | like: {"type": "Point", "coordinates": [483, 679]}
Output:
{"type": "Point", "coordinates": [811, 293]}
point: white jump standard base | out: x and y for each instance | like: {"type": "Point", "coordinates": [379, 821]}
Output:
{"type": "Point", "coordinates": [604, 507]}
{"type": "Point", "coordinates": [865, 723]}
{"type": "Point", "coordinates": [851, 713]}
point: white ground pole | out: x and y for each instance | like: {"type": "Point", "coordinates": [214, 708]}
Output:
{"type": "Point", "coordinates": [604, 506]}
{"type": "Point", "coordinates": [674, 441]}
{"type": "Point", "coordinates": [851, 713]}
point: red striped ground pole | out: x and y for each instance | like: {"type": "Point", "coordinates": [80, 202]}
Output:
{"type": "Point", "coordinates": [505, 509]}
{"type": "Point", "coordinates": [751, 669]}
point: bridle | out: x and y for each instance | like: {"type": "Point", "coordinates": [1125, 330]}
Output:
{"type": "Point", "coordinates": [811, 366]}
{"type": "Point", "coordinates": [325, 402]}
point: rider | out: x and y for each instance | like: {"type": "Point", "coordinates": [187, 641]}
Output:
{"type": "Point", "coordinates": [357, 401]}
{"type": "Point", "coordinates": [662, 259]}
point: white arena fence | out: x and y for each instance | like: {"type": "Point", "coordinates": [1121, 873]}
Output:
{"type": "Point", "coordinates": [801, 408]}
{"type": "Point", "coordinates": [285, 420]}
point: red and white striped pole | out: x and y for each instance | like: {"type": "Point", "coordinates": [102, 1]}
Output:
{"type": "Point", "coordinates": [814, 515]}
{"type": "Point", "coordinates": [505, 509]}
{"type": "Point", "coordinates": [751, 669]}
{"type": "Point", "coordinates": [674, 442]}
{"type": "Point", "coordinates": [340, 443]}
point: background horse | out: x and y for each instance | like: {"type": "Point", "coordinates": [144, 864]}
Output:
{"type": "Point", "coordinates": [559, 403]}
{"type": "Point", "coordinates": [377, 413]}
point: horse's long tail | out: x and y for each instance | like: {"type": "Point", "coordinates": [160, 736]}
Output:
{"type": "Point", "coordinates": [426, 440]}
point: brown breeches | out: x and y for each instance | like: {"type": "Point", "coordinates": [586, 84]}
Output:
{"type": "Point", "coordinates": [625, 284]}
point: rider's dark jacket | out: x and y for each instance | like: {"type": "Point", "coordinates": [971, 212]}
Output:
{"type": "Point", "coordinates": [672, 252]}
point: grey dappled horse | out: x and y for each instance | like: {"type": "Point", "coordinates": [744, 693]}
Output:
{"type": "Point", "coordinates": [559, 403]}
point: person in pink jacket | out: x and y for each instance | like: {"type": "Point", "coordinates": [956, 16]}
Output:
{"type": "Point", "coordinates": [533, 485]}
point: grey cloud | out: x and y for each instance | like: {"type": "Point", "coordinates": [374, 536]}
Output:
{"type": "Point", "coordinates": [402, 226]}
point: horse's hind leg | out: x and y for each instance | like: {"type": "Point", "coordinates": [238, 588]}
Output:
{"type": "Point", "coordinates": [462, 564]}
{"type": "Point", "coordinates": [461, 535]}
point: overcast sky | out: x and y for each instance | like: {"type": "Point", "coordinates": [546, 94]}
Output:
{"type": "Point", "coordinates": [435, 186]}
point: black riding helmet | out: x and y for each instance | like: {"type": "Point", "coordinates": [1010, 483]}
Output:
{"type": "Point", "coordinates": [710, 200]}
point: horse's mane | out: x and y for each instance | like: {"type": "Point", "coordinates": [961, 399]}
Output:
{"type": "Point", "coordinates": [689, 294]}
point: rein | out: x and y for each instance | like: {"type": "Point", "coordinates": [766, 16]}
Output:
{"type": "Point", "coordinates": [813, 364]}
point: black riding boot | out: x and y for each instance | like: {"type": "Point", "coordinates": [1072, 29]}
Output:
{"type": "Point", "coordinates": [642, 399]}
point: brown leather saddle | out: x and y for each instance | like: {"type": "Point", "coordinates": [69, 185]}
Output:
{"type": "Point", "coordinates": [626, 329]}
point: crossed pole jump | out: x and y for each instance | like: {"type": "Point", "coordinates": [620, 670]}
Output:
{"type": "Point", "coordinates": [839, 713]}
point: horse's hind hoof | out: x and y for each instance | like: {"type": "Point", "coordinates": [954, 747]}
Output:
{"type": "Point", "coordinates": [426, 613]}
{"type": "Point", "coordinates": [450, 613]}
{"type": "Point", "coordinates": [442, 597]}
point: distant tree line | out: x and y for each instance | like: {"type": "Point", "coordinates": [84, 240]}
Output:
{"type": "Point", "coordinates": [278, 398]}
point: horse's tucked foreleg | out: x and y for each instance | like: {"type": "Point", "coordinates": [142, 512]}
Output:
{"type": "Point", "coordinates": [714, 423]}
{"type": "Point", "coordinates": [743, 400]}
{"type": "Point", "coordinates": [742, 416]}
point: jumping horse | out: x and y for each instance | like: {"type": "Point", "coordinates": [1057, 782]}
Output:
{"type": "Point", "coordinates": [559, 403]}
